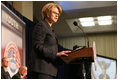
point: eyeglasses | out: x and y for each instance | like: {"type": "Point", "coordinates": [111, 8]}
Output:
{"type": "Point", "coordinates": [56, 13]}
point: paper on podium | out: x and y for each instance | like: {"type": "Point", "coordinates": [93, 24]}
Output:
{"type": "Point", "coordinates": [79, 56]}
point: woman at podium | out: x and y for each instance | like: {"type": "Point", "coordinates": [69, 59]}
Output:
{"type": "Point", "coordinates": [44, 57]}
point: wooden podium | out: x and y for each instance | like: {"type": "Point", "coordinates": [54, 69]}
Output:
{"type": "Point", "coordinates": [79, 56]}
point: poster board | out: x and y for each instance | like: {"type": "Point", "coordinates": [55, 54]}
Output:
{"type": "Point", "coordinates": [12, 39]}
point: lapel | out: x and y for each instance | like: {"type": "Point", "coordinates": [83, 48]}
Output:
{"type": "Point", "coordinates": [4, 73]}
{"type": "Point", "coordinates": [47, 26]}
{"type": "Point", "coordinates": [50, 29]}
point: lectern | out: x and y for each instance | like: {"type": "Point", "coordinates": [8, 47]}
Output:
{"type": "Point", "coordinates": [82, 56]}
{"type": "Point", "coordinates": [79, 56]}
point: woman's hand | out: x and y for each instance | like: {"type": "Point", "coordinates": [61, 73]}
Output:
{"type": "Point", "coordinates": [63, 53]}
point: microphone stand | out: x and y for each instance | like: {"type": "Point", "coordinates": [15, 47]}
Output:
{"type": "Point", "coordinates": [86, 40]}
{"type": "Point", "coordinates": [83, 70]}
{"type": "Point", "coordinates": [83, 64]}
{"type": "Point", "coordinates": [85, 36]}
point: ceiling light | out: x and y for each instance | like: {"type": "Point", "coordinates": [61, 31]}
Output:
{"type": "Point", "coordinates": [86, 19]}
{"type": "Point", "coordinates": [86, 24]}
{"type": "Point", "coordinates": [104, 18]}
{"type": "Point", "coordinates": [107, 22]}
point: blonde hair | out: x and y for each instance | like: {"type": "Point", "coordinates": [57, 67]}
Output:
{"type": "Point", "coordinates": [48, 8]}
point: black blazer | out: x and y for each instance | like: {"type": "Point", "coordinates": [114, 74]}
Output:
{"type": "Point", "coordinates": [17, 76]}
{"type": "Point", "coordinates": [44, 48]}
{"type": "Point", "coordinates": [3, 74]}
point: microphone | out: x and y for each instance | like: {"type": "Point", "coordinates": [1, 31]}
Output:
{"type": "Point", "coordinates": [85, 36]}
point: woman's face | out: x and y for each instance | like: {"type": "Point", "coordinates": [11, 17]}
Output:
{"type": "Point", "coordinates": [54, 15]}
